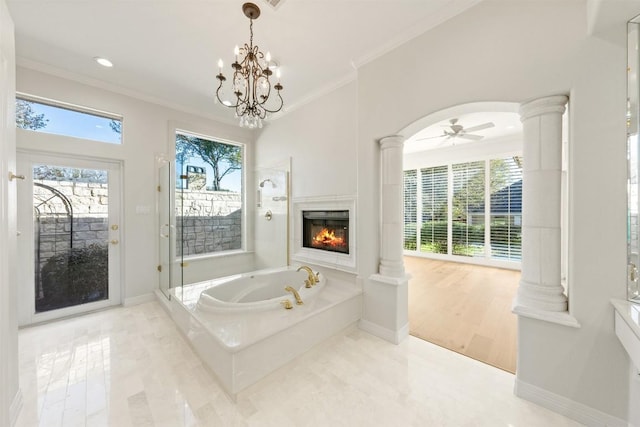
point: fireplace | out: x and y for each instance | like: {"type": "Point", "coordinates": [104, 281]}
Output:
{"type": "Point", "coordinates": [326, 230]}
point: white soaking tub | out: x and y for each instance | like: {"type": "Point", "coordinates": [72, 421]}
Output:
{"type": "Point", "coordinates": [242, 331]}
{"type": "Point", "coordinates": [258, 291]}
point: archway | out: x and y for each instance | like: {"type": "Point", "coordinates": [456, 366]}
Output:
{"type": "Point", "coordinates": [462, 206]}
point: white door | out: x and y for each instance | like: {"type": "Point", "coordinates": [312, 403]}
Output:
{"type": "Point", "coordinates": [70, 233]}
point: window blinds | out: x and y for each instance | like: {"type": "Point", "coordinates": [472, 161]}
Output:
{"type": "Point", "coordinates": [468, 209]}
{"type": "Point", "coordinates": [434, 228]}
{"type": "Point", "coordinates": [410, 209]}
{"type": "Point", "coordinates": [506, 208]}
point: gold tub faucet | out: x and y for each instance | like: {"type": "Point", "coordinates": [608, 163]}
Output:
{"type": "Point", "coordinates": [313, 278]}
{"type": "Point", "coordinates": [295, 294]}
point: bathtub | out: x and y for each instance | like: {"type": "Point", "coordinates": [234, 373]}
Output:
{"type": "Point", "coordinates": [241, 330]}
{"type": "Point", "coordinates": [260, 291]}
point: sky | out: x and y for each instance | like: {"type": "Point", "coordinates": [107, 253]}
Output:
{"type": "Point", "coordinates": [76, 124]}
{"type": "Point", "coordinates": [88, 126]}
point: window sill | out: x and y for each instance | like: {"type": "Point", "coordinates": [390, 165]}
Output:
{"type": "Point", "coordinates": [224, 254]}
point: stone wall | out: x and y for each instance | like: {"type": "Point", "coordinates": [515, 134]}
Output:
{"type": "Point", "coordinates": [60, 228]}
{"type": "Point", "coordinates": [208, 221]}
{"type": "Point", "coordinates": [205, 234]}
{"type": "Point", "coordinates": [212, 220]}
{"type": "Point", "coordinates": [193, 203]}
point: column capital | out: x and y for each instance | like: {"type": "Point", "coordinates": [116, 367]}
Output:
{"type": "Point", "coordinates": [548, 105]}
{"type": "Point", "coordinates": [391, 141]}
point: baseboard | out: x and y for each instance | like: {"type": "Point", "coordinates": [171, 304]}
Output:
{"type": "Point", "coordinates": [14, 409]}
{"type": "Point", "coordinates": [140, 299]}
{"type": "Point", "coordinates": [582, 413]}
{"type": "Point", "coordinates": [395, 337]}
{"type": "Point", "coordinates": [163, 300]}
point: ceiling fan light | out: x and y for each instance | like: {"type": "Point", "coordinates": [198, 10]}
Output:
{"type": "Point", "coordinates": [103, 61]}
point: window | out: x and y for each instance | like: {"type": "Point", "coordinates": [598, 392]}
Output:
{"type": "Point", "coordinates": [58, 118]}
{"type": "Point", "coordinates": [209, 198]}
{"type": "Point", "coordinates": [468, 209]}
{"type": "Point", "coordinates": [506, 208]}
{"type": "Point", "coordinates": [452, 204]}
{"type": "Point", "coordinates": [410, 206]}
{"type": "Point", "coordinates": [434, 229]}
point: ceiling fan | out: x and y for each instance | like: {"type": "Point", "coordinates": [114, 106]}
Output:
{"type": "Point", "coordinates": [454, 130]}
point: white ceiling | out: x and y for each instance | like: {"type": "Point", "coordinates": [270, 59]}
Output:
{"type": "Point", "coordinates": [432, 137]}
{"type": "Point", "coordinates": [166, 51]}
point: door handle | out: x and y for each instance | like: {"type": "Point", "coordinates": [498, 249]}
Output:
{"type": "Point", "coordinates": [13, 176]}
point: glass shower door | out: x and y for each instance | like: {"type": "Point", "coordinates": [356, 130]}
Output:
{"type": "Point", "coordinates": [166, 232]}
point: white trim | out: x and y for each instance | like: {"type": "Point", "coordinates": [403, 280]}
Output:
{"type": "Point", "coordinates": [484, 262]}
{"type": "Point", "coordinates": [140, 299]}
{"type": "Point", "coordinates": [393, 281]}
{"type": "Point", "coordinates": [71, 107]}
{"type": "Point", "coordinates": [30, 64]}
{"type": "Point", "coordinates": [395, 337]}
{"type": "Point", "coordinates": [445, 13]}
{"type": "Point", "coordinates": [558, 317]}
{"type": "Point", "coordinates": [163, 300]}
{"type": "Point", "coordinates": [14, 409]}
{"type": "Point", "coordinates": [582, 413]}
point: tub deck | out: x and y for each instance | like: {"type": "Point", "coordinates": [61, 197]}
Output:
{"type": "Point", "coordinates": [242, 348]}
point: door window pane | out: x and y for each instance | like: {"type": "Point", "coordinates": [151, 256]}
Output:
{"type": "Point", "coordinates": [70, 207]}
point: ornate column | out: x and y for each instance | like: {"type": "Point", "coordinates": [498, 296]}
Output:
{"type": "Point", "coordinates": [391, 199]}
{"type": "Point", "coordinates": [540, 294]}
{"type": "Point", "coordinates": [386, 296]}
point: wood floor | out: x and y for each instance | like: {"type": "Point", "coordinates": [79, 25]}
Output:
{"type": "Point", "coordinates": [465, 308]}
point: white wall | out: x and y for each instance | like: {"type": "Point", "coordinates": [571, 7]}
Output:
{"type": "Point", "coordinates": [319, 138]}
{"type": "Point", "coordinates": [514, 52]}
{"type": "Point", "coordinates": [147, 131]}
{"type": "Point", "coordinates": [10, 400]}
{"type": "Point", "coordinates": [320, 141]}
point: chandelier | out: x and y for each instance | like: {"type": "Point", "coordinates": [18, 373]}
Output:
{"type": "Point", "coordinates": [250, 81]}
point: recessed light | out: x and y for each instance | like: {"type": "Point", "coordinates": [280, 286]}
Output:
{"type": "Point", "coordinates": [227, 103]}
{"type": "Point", "coordinates": [104, 62]}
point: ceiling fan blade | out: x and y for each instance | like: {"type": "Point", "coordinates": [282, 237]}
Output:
{"type": "Point", "coordinates": [472, 137]}
{"type": "Point", "coordinates": [480, 127]}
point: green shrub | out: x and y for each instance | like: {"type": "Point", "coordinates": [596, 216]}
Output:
{"type": "Point", "coordinates": [73, 278]}
{"type": "Point", "coordinates": [410, 239]}
{"type": "Point", "coordinates": [465, 239]}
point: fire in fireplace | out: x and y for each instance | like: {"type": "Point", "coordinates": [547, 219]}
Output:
{"type": "Point", "coordinates": [326, 230]}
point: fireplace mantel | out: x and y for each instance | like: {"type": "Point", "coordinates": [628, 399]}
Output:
{"type": "Point", "coordinates": [336, 260]}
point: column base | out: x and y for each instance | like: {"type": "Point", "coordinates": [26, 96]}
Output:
{"type": "Point", "coordinates": [542, 297]}
{"type": "Point", "coordinates": [560, 318]}
{"type": "Point", "coordinates": [392, 269]}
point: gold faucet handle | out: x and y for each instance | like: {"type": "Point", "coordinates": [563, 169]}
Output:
{"type": "Point", "coordinates": [308, 283]}
{"type": "Point", "coordinates": [286, 304]}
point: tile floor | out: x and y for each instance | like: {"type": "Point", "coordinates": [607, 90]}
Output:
{"type": "Point", "coordinates": [131, 367]}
